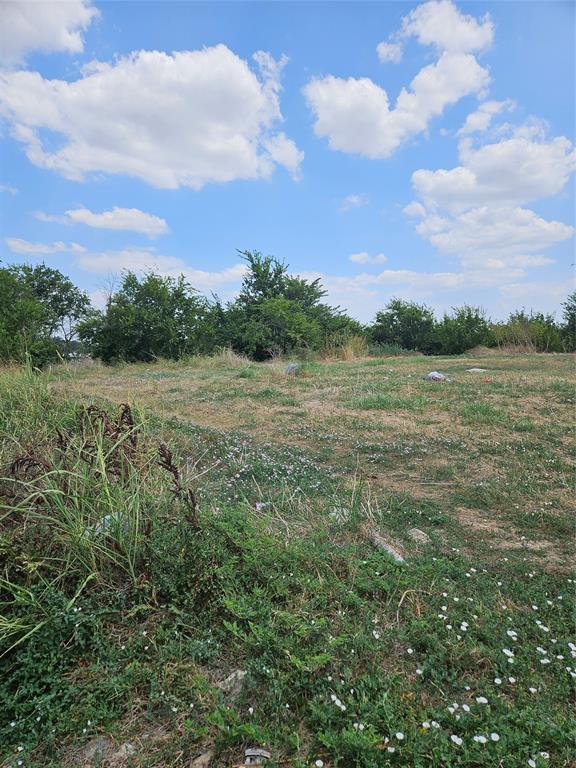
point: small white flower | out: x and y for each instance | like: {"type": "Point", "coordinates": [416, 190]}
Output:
{"type": "Point", "coordinates": [410, 651]}
{"type": "Point", "coordinates": [544, 661]}
{"type": "Point", "coordinates": [532, 763]}
{"type": "Point", "coordinates": [319, 764]}
{"type": "Point", "coordinates": [419, 671]}
{"type": "Point", "coordinates": [481, 700]}
{"type": "Point", "coordinates": [494, 737]}
{"type": "Point", "coordinates": [465, 707]}
{"type": "Point", "coordinates": [250, 710]}
{"type": "Point", "coordinates": [480, 739]}
{"type": "Point", "coordinates": [399, 735]}
{"type": "Point", "coordinates": [456, 739]}
{"type": "Point", "coordinates": [434, 724]}
{"type": "Point", "coordinates": [532, 690]}
{"type": "Point", "coordinates": [512, 680]}
{"type": "Point", "coordinates": [498, 681]}
{"type": "Point", "coordinates": [508, 652]}
{"type": "Point", "coordinates": [391, 749]}
{"type": "Point", "coordinates": [425, 725]}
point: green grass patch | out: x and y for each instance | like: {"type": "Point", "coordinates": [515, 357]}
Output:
{"type": "Point", "coordinates": [389, 403]}
{"type": "Point", "coordinates": [482, 413]}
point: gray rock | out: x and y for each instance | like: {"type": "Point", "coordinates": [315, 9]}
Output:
{"type": "Point", "coordinates": [204, 760]}
{"type": "Point", "coordinates": [125, 751]}
{"type": "Point", "coordinates": [380, 543]}
{"type": "Point", "coordinates": [419, 536]}
{"type": "Point", "coordinates": [94, 751]}
{"type": "Point", "coordinates": [232, 686]}
{"type": "Point", "coordinates": [292, 369]}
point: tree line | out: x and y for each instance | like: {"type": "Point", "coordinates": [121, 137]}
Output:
{"type": "Point", "coordinates": [44, 317]}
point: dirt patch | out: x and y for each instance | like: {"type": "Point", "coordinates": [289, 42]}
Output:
{"type": "Point", "coordinates": [505, 537]}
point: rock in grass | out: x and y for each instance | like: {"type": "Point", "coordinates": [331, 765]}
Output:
{"type": "Point", "coordinates": [380, 543]}
{"type": "Point", "coordinates": [292, 369]}
{"type": "Point", "coordinates": [419, 536]}
{"type": "Point", "coordinates": [232, 686]}
{"type": "Point", "coordinates": [95, 751]}
{"type": "Point", "coordinates": [204, 760]}
{"type": "Point", "coordinates": [121, 755]}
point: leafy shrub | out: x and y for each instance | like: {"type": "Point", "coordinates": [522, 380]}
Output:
{"type": "Point", "coordinates": [149, 318]}
{"type": "Point", "coordinates": [406, 324]}
{"type": "Point", "coordinates": [466, 328]}
{"type": "Point", "coordinates": [534, 332]}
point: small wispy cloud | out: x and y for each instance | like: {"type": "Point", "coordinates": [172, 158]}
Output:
{"type": "Point", "coordinates": [364, 258]}
{"type": "Point", "coordinates": [353, 201]}
{"type": "Point", "coordinates": [18, 245]}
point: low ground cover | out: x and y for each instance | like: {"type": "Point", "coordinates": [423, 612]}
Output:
{"type": "Point", "coordinates": [195, 574]}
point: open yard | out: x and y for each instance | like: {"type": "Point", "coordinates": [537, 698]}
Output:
{"type": "Point", "coordinates": [269, 614]}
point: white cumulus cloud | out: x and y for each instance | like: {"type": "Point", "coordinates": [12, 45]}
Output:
{"type": "Point", "coordinates": [42, 26]}
{"type": "Point", "coordinates": [353, 201]}
{"type": "Point", "coordinates": [389, 52]}
{"type": "Point", "coordinates": [511, 171]}
{"type": "Point", "coordinates": [364, 258]}
{"type": "Point", "coordinates": [479, 120]}
{"type": "Point", "coordinates": [477, 211]}
{"type": "Point", "coordinates": [129, 219]}
{"type": "Point", "coordinates": [355, 114]}
{"type": "Point", "coordinates": [18, 245]}
{"type": "Point", "coordinates": [141, 260]}
{"type": "Point", "coordinates": [441, 24]}
{"type": "Point", "coordinates": [172, 120]}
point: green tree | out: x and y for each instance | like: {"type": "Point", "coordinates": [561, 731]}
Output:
{"type": "Point", "coordinates": [406, 324]}
{"type": "Point", "coordinates": [276, 313]}
{"type": "Point", "coordinates": [63, 302]}
{"type": "Point", "coordinates": [467, 327]}
{"type": "Point", "coordinates": [568, 329]}
{"type": "Point", "coordinates": [149, 318]}
{"type": "Point", "coordinates": [39, 311]}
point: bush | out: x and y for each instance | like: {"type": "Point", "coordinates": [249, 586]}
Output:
{"type": "Point", "coordinates": [147, 319]}
{"type": "Point", "coordinates": [465, 329]}
{"type": "Point", "coordinates": [568, 329]}
{"type": "Point", "coordinates": [406, 324]}
{"type": "Point", "coordinates": [534, 332]}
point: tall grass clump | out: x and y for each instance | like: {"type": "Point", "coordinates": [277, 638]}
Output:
{"type": "Point", "coordinates": [79, 499]}
{"type": "Point", "coordinates": [340, 347]}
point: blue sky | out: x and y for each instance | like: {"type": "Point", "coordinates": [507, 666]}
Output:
{"type": "Point", "coordinates": [393, 149]}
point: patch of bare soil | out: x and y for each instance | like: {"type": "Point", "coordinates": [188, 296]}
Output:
{"type": "Point", "coordinates": [506, 537]}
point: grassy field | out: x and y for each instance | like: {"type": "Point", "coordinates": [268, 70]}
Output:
{"type": "Point", "coordinates": [204, 572]}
